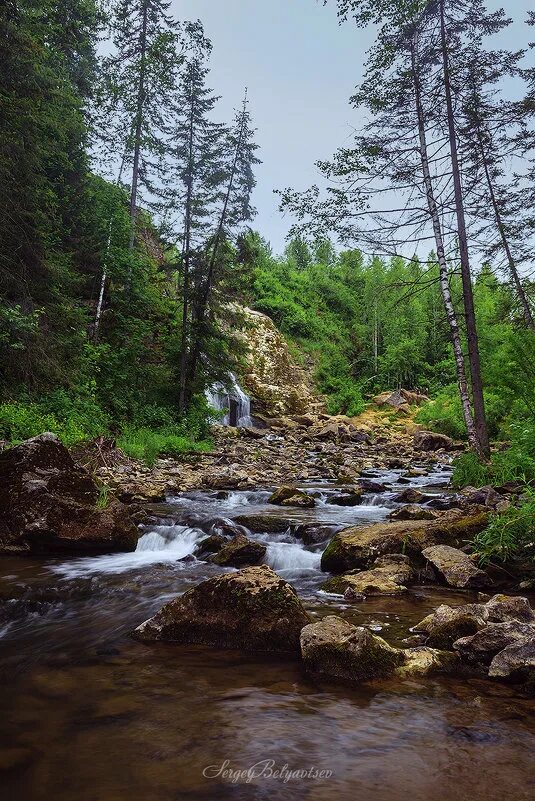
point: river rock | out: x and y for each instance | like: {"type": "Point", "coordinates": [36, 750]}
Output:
{"type": "Point", "coordinates": [422, 661]}
{"type": "Point", "coordinates": [48, 504]}
{"type": "Point", "coordinates": [291, 496]}
{"type": "Point", "coordinates": [409, 495]}
{"type": "Point", "coordinates": [413, 512]}
{"type": "Point", "coordinates": [516, 662]}
{"type": "Point", "coordinates": [359, 546]}
{"type": "Point", "coordinates": [430, 441]}
{"type": "Point", "coordinates": [263, 524]}
{"type": "Point", "coordinates": [374, 487]}
{"type": "Point", "coordinates": [232, 477]}
{"type": "Point", "coordinates": [456, 567]}
{"type": "Point", "coordinates": [351, 498]}
{"type": "Point", "coordinates": [210, 545]}
{"type": "Point", "coordinates": [448, 624]}
{"type": "Point", "coordinates": [389, 576]}
{"type": "Point", "coordinates": [335, 648]}
{"type": "Point", "coordinates": [314, 533]}
{"type": "Point", "coordinates": [483, 646]}
{"type": "Point", "coordinates": [238, 552]}
{"type": "Point", "coordinates": [252, 609]}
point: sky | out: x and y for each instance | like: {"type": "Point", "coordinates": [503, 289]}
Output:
{"type": "Point", "coordinates": [300, 68]}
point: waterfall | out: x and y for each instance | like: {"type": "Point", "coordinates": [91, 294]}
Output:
{"type": "Point", "coordinates": [234, 400]}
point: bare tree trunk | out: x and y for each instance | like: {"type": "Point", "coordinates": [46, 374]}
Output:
{"type": "Point", "coordinates": [455, 333]}
{"type": "Point", "coordinates": [482, 445]}
{"type": "Point", "coordinates": [138, 131]}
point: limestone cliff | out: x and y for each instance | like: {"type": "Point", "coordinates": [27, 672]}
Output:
{"type": "Point", "coordinates": [275, 381]}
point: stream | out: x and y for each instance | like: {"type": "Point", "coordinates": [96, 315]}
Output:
{"type": "Point", "coordinates": [89, 714]}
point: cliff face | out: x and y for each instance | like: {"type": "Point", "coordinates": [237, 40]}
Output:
{"type": "Point", "coordinates": [276, 383]}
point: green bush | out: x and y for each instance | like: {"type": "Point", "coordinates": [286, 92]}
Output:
{"type": "Point", "coordinates": [73, 420]}
{"type": "Point", "coordinates": [510, 535]}
{"type": "Point", "coordinates": [444, 414]}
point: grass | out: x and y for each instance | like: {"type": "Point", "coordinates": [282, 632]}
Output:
{"type": "Point", "coordinates": [147, 445]}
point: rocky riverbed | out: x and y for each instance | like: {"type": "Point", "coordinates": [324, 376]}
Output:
{"type": "Point", "coordinates": [311, 602]}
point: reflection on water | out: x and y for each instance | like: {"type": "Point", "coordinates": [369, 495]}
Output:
{"type": "Point", "coordinates": [86, 713]}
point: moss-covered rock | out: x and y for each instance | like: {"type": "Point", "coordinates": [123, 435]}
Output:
{"type": "Point", "coordinates": [291, 496]}
{"type": "Point", "coordinates": [422, 661]}
{"type": "Point", "coordinates": [239, 552]}
{"type": "Point", "coordinates": [252, 609]}
{"type": "Point", "coordinates": [357, 547]}
{"type": "Point", "coordinates": [390, 576]}
{"type": "Point", "coordinates": [335, 648]}
{"type": "Point", "coordinates": [263, 524]}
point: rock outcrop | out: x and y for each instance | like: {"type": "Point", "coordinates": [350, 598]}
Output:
{"type": "Point", "coordinates": [252, 610]}
{"type": "Point", "coordinates": [48, 504]}
{"type": "Point", "coordinates": [357, 547]}
{"type": "Point", "coordinates": [278, 385]}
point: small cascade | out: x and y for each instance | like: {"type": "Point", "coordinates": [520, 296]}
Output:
{"type": "Point", "coordinates": [234, 401]}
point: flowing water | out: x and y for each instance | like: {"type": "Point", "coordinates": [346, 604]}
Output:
{"type": "Point", "coordinates": [89, 714]}
{"type": "Point", "coordinates": [233, 401]}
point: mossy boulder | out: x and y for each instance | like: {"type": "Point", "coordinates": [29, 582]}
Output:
{"type": "Point", "coordinates": [447, 624]}
{"type": "Point", "coordinates": [335, 648]}
{"type": "Point", "coordinates": [357, 547]}
{"type": "Point", "coordinates": [252, 609]}
{"type": "Point", "coordinates": [49, 505]}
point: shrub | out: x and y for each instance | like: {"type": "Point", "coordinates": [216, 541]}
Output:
{"type": "Point", "coordinates": [510, 535]}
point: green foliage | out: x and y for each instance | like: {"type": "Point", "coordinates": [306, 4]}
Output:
{"type": "Point", "coordinates": [469, 471]}
{"type": "Point", "coordinates": [444, 414]}
{"type": "Point", "coordinates": [148, 445]}
{"type": "Point", "coordinates": [510, 535]}
{"type": "Point", "coordinates": [514, 463]}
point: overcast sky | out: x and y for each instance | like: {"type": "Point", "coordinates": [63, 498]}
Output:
{"type": "Point", "coordinates": [300, 68]}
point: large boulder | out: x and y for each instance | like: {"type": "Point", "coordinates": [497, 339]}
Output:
{"type": "Point", "coordinates": [252, 609]}
{"type": "Point", "coordinates": [390, 575]}
{"type": "Point", "coordinates": [409, 495]}
{"type": "Point", "coordinates": [238, 552]}
{"type": "Point", "coordinates": [48, 504]}
{"type": "Point", "coordinates": [430, 441]}
{"type": "Point", "coordinates": [456, 567]}
{"type": "Point", "coordinates": [357, 547]}
{"type": "Point", "coordinates": [335, 648]}
{"type": "Point", "coordinates": [351, 497]}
